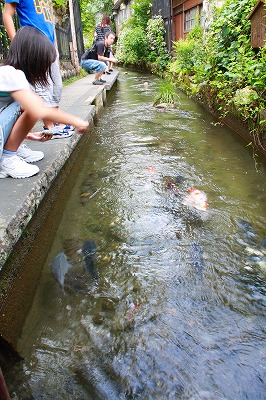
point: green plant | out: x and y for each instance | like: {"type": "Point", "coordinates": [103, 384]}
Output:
{"type": "Point", "coordinates": [236, 66]}
{"type": "Point", "coordinates": [224, 61]}
{"type": "Point", "coordinates": [189, 54]}
{"type": "Point", "coordinates": [131, 47]}
{"type": "Point", "coordinates": [141, 12]}
{"type": "Point", "coordinates": [166, 93]}
{"type": "Point", "coordinates": [157, 57]}
{"type": "Point", "coordinates": [75, 78]}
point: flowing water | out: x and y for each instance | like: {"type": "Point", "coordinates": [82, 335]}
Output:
{"type": "Point", "coordinates": [178, 308]}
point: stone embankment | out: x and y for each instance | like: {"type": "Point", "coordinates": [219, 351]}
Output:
{"type": "Point", "coordinates": [252, 133]}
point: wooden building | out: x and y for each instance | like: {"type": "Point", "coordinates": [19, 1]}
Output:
{"type": "Point", "coordinates": [258, 24]}
{"type": "Point", "coordinates": [164, 8]}
{"type": "Point", "coordinates": [186, 13]}
{"type": "Point", "coordinates": [180, 16]}
{"type": "Point", "coordinates": [121, 12]}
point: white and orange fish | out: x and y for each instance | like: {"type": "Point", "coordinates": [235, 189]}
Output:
{"type": "Point", "coordinates": [196, 198]}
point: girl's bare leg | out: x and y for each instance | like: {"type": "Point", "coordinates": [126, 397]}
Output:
{"type": "Point", "coordinates": [23, 125]}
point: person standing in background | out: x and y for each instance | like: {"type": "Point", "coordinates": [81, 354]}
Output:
{"type": "Point", "coordinates": [38, 15]}
{"type": "Point", "coordinates": [99, 34]}
{"type": "Point", "coordinates": [102, 28]}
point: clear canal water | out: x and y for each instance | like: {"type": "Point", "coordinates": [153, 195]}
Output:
{"type": "Point", "coordinates": [178, 308]}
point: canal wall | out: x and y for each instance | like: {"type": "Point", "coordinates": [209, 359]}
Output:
{"type": "Point", "coordinates": [27, 203]}
{"type": "Point", "coordinates": [232, 118]}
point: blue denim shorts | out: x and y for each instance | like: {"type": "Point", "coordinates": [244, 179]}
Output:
{"type": "Point", "coordinates": [8, 117]}
{"type": "Point", "coordinates": [93, 65]}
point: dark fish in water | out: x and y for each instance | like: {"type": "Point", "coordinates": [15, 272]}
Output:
{"type": "Point", "coordinates": [179, 179]}
{"type": "Point", "coordinates": [8, 351]}
{"type": "Point", "coordinates": [255, 248]}
{"type": "Point", "coordinates": [247, 228]}
{"type": "Point", "coordinates": [197, 259]}
{"type": "Point", "coordinates": [89, 253]}
{"type": "Point", "coordinates": [59, 267]}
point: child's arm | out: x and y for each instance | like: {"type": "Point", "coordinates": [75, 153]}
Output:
{"type": "Point", "coordinates": [34, 105]}
{"type": "Point", "coordinates": [8, 14]}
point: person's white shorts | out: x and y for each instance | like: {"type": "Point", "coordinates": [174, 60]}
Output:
{"type": "Point", "coordinates": [51, 95]}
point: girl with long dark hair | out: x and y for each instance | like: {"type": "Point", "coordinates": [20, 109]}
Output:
{"type": "Point", "coordinates": [28, 63]}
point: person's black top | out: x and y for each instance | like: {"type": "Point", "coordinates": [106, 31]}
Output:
{"type": "Point", "coordinates": [97, 49]}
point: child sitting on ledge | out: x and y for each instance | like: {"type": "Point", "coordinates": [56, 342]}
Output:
{"type": "Point", "coordinates": [29, 61]}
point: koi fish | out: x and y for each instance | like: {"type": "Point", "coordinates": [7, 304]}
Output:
{"type": "Point", "coordinates": [197, 199]}
{"type": "Point", "coordinates": [89, 254]}
{"type": "Point", "coordinates": [197, 260]}
{"type": "Point", "coordinates": [59, 268]}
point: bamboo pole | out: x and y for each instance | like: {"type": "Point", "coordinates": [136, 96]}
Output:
{"type": "Point", "coordinates": [74, 49]}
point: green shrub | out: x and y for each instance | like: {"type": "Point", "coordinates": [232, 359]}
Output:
{"type": "Point", "coordinates": [166, 93]}
{"type": "Point", "coordinates": [141, 12]}
{"type": "Point", "coordinates": [235, 64]}
{"type": "Point", "coordinates": [189, 54]}
{"type": "Point", "coordinates": [157, 57]}
{"type": "Point", "coordinates": [225, 60]}
{"type": "Point", "coordinates": [131, 47]}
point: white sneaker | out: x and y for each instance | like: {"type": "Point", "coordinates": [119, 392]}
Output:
{"type": "Point", "coordinates": [29, 155]}
{"type": "Point", "coordinates": [16, 167]}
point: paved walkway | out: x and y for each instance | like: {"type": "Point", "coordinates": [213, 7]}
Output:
{"type": "Point", "coordinates": [19, 198]}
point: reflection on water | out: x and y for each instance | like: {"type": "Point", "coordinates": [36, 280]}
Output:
{"type": "Point", "coordinates": [178, 307]}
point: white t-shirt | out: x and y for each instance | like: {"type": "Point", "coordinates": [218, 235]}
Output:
{"type": "Point", "coordinates": [11, 79]}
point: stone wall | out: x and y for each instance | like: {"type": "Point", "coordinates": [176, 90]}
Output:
{"type": "Point", "coordinates": [67, 69]}
{"type": "Point", "coordinates": [233, 119]}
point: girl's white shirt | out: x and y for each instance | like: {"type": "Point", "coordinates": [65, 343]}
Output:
{"type": "Point", "coordinates": [12, 79]}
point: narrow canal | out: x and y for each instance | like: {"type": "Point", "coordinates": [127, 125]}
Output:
{"type": "Point", "coordinates": [175, 305]}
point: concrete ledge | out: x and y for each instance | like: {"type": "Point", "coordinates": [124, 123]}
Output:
{"type": "Point", "coordinates": [21, 197]}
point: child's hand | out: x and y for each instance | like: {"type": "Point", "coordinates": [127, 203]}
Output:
{"type": "Point", "coordinates": [81, 125]}
{"type": "Point", "coordinates": [38, 136]}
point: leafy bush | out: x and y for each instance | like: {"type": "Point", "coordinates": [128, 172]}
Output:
{"type": "Point", "coordinates": [225, 61]}
{"type": "Point", "coordinates": [157, 57]}
{"type": "Point", "coordinates": [131, 47]}
{"type": "Point", "coordinates": [141, 12]}
{"type": "Point", "coordinates": [166, 94]}
{"type": "Point", "coordinates": [190, 61]}
{"type": "Point", "coordinates": [143, 46]}
{"type": "Point", "coordinates": [235, 64]}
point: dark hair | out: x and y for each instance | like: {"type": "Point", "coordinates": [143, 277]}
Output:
{"type": "Point", "coordinates": [108, 34]}
{"type": "Point", "coordinates": [33, 53]}
{"type": "Point", "coordinates": [105, 20]}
